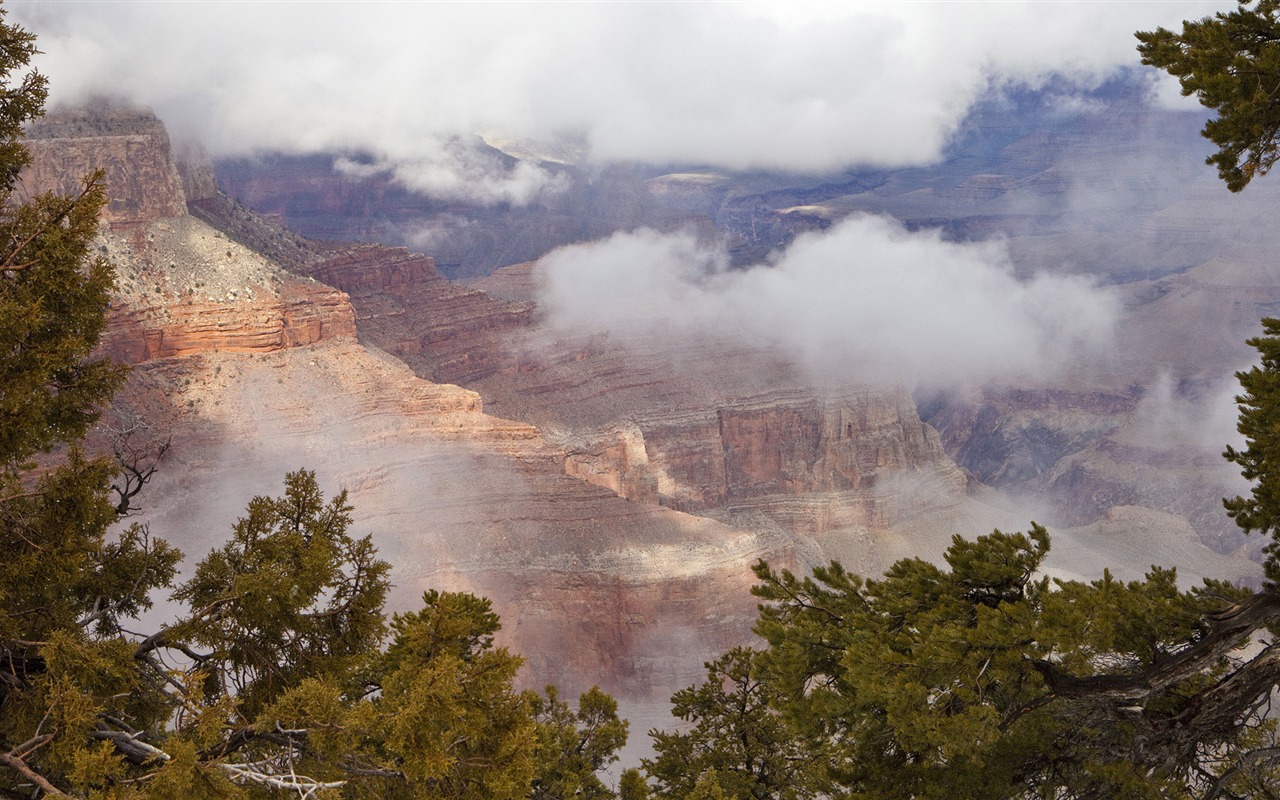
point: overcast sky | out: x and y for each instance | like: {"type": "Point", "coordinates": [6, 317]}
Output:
{"type": "Point", "coordinates": [789, 86]}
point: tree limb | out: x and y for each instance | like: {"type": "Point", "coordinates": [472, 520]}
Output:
{"type": "Point", "coordinates": [1228, 628]}
{"type": "Point", "coordinates": [16, 764]}
{"type": "Point", "coordinates": [7, 263]}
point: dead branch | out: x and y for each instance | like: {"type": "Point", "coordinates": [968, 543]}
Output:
{"type": "Point", "coordinates": [21, 767]}
{"type": "Point", "coordinates": [137, 459]}
{"type": "Point", "coordinates": [263, 774]}
{"type": "Point", "coordinates": [132, 747]}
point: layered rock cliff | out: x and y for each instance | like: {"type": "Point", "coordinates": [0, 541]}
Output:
{"type": "Point", "coordinates": [1107, 189]}
{"type": "Point", "coordinates": [253, 371]}
{"type": "Point", "coordinates": [613, 505]}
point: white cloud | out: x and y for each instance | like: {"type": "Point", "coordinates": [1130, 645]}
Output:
{"type": "Point", "coordinates": [864, 301]}
{"type": "Point", "coordinates": [1167, 416]}
{"type": "Point", "coordinates": [796, 87]}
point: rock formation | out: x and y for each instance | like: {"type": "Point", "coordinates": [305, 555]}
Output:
{"type": "Point", "coordinates": [727, 432]}
{"type": "Point", "coordinates": [130, 146]}
{"type": "Point", "coordinates": [254, 371]}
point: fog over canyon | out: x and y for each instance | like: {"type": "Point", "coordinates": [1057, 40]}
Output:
{"type": "Point", "coordinates": [591, 307]}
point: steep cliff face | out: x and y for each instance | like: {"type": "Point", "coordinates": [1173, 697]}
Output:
{"type": "Point", "coordinates": [408, 309]}
{"type": "Point", "coordinates": [814, 464]}
{"type": "Point", "coordinates": [301, 313]}
{"type": "Point", "coordinates": [130, 146]}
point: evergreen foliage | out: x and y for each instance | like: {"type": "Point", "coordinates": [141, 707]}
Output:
{"type": "Point", "coordinates": [1231, 63]}
{"type": "Point", "coordinates": [1260, 460]}
{"type": "Point", "coordinates": [738, 744]}
{"type": "Point", "coordinates": [277, 680]}
{"type": "Point", "coordinates": [575, 746]}
{"type": "Point", "coordinates": [978, 679]}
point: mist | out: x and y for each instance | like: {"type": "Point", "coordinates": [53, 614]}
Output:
{"type": "Point", "coordinates": [803, 87]}
{"type": "Point", "coordinates": [866, 300]}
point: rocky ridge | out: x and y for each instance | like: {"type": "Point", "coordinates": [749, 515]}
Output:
{"type": "Point", "coordinates": [131, 148]}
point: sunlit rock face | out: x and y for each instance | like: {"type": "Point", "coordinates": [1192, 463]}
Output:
{"type": "Point", "coordinates": [300, 313]}
{"type": "Point", "coordinates": [252, 371]}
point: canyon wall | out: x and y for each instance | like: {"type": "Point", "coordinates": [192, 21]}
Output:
{"type": "Point", "coordinates": [610, 499]}
{"type": "Point", "coordinates": [724, 431]}
{"type": "Point", "coordinates": [1113, 188]}
{"type": "Point", "coordinates": [130, 146]}
{"type": "Point", "coordinates": [251, 371]}
{"type": "Point", "coordinates": [302, 313]}
{"type": "Point", "coordinates": [407, 309]}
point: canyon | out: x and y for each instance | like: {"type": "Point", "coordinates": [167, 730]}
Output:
{"type": "Point", "coordinates": [1111, 189]}
{"type": "Point", "coordinates": [609, 497]}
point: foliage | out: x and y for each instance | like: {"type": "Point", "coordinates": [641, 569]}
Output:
{"type": "Point", "coordinates": [575, 746]}
{"type": "Point", "coordinates": [291, 595]}
{"type": "Point", "coordinates": [739, 743]}
{"type": "Point", "coordinates": [1231, 62]}
{"type": "Point", "coordinates": [1260, 460]}
{"type": "Point", "coordinates": [978, 679]}
{"type": "Point", "coordinates": [277, 680]}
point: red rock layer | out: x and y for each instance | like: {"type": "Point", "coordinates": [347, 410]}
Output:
{"type": "Point", "coordinates": [449, 333]}
{"type": "Point", "coordinates": [303, 313]}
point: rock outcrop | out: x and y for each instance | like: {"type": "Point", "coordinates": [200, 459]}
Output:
{"type": "Point", "coordinates": [301, 313]}
{"type": "Point", "coordinates": [130, 146]}
{"type": "Point", "coordinates": [410, 309]}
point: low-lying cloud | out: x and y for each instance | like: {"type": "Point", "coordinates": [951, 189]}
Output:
{"type": "Point", "coordinates": [863, 301]}
{"type": "Point", "coordinates": [796, 86]}
{"type": "Point", "coordinates": [1169, 416]}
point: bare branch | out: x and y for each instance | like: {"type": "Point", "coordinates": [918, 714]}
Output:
{"type": "Point", "coordinates": [262, 773]}
{"type": "Point", "coordinates": [137, 458]}
{"type": "Point", "coordinates": [16, 764]}
{"type": "Point", "coordinates": [132, 747]}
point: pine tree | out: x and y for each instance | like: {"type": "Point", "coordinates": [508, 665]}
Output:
{"type": "Point", "coordinates": [1231, 63]}
{"type": "Point", "coordinates": [979, 679]}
